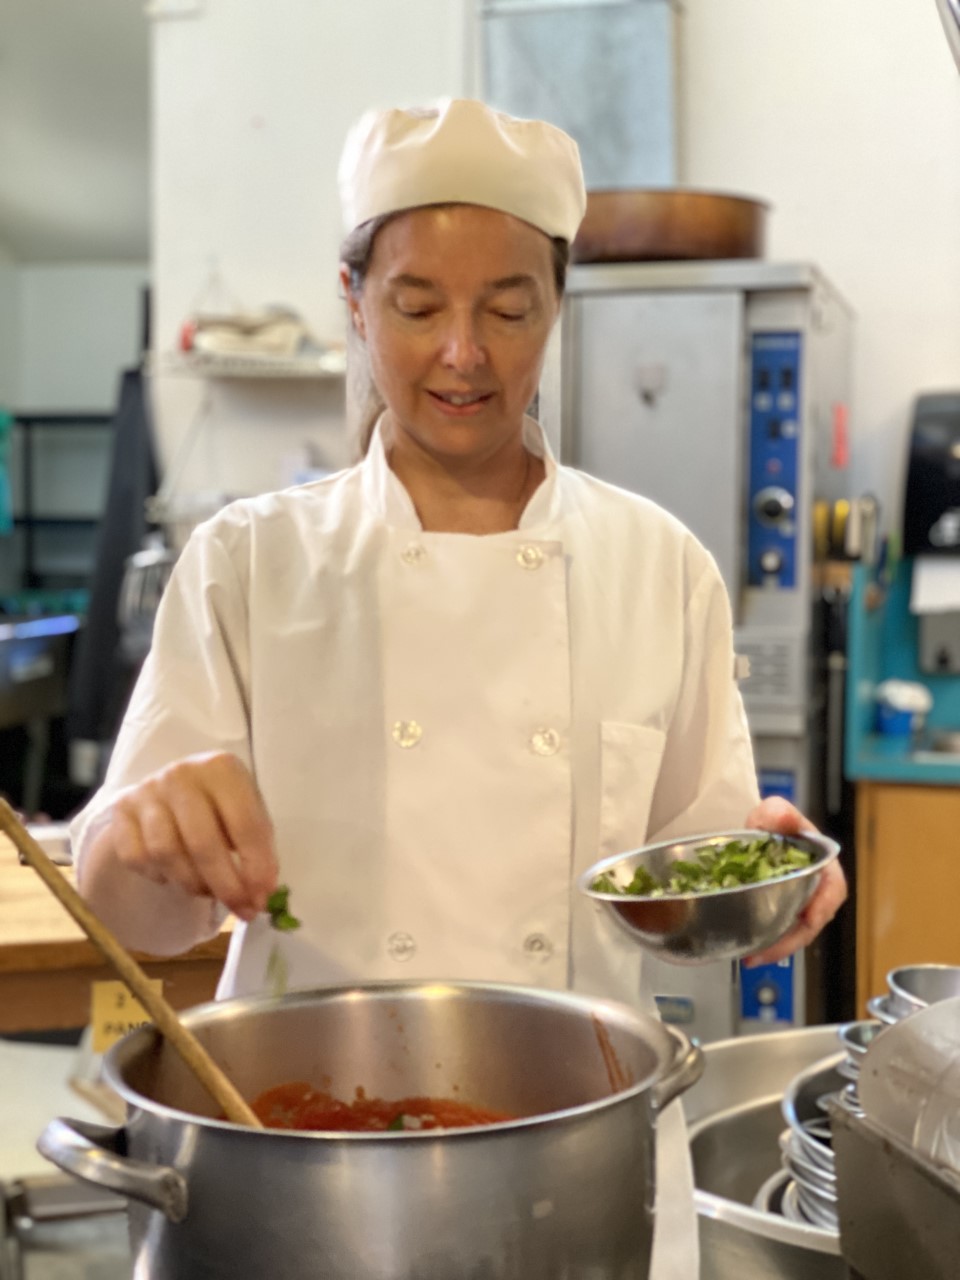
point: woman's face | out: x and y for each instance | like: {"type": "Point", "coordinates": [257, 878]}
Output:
{"type": "Point", "coordinates": [456, 310]}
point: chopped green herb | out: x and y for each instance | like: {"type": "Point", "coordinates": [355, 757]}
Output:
{"type": "Point", "coordinates": [397, 1123]}
{"type": "Point", "coordinates": [278, 971]}
{"type": "Point", "coordinates": [277, 906]}
{"type": "Point", "coordinates": [278, 968]}
{"type": "Point", "coordinates": [727, 866]}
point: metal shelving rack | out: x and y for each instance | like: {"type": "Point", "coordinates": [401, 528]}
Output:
{"type": "Point", "coordinates": [28, 519]}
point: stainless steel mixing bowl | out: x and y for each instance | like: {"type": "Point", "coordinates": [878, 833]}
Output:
{"type": "Point", "coordinates": [915, 986]}
{"type": "Point", "coordinates": [856, 1037]}
{"type": "Point", "coordinates": [697, 928]}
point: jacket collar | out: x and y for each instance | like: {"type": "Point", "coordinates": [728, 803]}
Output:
{"type": "Point", "coordinates": [391, 502]}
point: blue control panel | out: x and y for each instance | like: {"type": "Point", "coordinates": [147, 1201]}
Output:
{"type": "Point", "coordinates": [774, 459]}
{"type": "Point", "coordinates": [767, 992]}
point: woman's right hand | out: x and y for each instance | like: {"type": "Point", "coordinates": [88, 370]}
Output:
{"type": "Point", "coordinates": [201, 824]}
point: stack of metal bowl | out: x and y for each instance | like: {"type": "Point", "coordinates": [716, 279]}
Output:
{"type": "Point", "coordinates": [810, 1192]}
{"type": "Point", "coordinates": [806, 1189]}
{"type": "Point", "coordinates": [913, 987]}
{"type": "Point", "coordinates": [735, 1120]}
{"type": "Point", "coordinates": [856, 1038]}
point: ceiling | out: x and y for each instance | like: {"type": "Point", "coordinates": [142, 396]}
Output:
{"type": "Point", "coordinates": [74, 130]}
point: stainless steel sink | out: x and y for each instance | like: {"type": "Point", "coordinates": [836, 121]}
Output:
{"type": "Point", "coordinates": [735, 1121]}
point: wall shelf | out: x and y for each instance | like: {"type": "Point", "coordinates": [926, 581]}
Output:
{"type": "Point", "coordinates": [331, 365]}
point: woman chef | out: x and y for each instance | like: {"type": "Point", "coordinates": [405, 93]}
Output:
{"type": "Point", "coordinates": [429, 690]}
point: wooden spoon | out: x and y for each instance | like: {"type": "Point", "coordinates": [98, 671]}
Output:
{"type": "Point", "coordinates": [165, 1019]}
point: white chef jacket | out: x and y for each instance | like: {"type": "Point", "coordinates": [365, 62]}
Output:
{"type": "Point", "coordinates": [446, 728]}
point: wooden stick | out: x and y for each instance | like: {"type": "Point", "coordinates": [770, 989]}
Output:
{"type": "Point", "coordinates": [164, 1018]}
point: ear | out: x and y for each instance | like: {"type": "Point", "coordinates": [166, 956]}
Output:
{"type": "Point", "coordinates": [352, 300]}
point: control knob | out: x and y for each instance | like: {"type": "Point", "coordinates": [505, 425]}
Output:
{"type": "Point", "coordinates": [773, 504]}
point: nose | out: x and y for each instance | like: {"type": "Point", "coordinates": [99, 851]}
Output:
{"type": "Point", "coordinates": [462, 349]}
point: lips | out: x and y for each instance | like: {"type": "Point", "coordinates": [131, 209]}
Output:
{"type": "Point", "coordinates": [460, 404]}
{"type": "Point", "coordinates": [461, 399]}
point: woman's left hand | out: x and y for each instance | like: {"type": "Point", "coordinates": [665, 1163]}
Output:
{"type": "Point", "coordinates": [777, 814]}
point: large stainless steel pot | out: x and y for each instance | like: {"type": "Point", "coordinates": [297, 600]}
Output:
{"type": "Point", "coordinates": [566, 1194]}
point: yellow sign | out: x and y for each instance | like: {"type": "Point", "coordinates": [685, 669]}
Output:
{"type": "Point", "coordinates": [114, 1011]}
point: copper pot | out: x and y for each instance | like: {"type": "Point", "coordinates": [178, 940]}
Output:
{"type": "Point", "coordinates": [658, 225]}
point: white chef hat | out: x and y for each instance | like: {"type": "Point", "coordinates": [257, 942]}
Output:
{"type": "Point", "coordinates": [462, 152]}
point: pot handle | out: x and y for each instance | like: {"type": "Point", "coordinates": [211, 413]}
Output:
{"type": "Point", "coordinates": [97, 1154]}
{"type": "Point", "coordinates": [684, 1071]}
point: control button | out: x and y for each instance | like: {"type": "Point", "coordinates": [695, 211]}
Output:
{"type": "Point", "coordinates": [545, 742]}
{"type": "Point", "coordinates": [772, 504]}
{"type": "Point", "coordinates": [785, 402]}
{"type": "Point", "coordinates": [537, 946]}
{"type": "Point", "coordinates": [771, 561]}
{"type": "Point", "coordinates": [788, 429]}
{"type": "Point", "coordinates": [530, 557]}
{"type": "Point", "coordinates": [406, 733]}
{"type": "Point", "coordinates": [401, 947]}
{"type": "Point", "coordinates": [767, 994]}
{"type": "Point", "coordinates": [413, 553]}
{"type": "Point", "coordinates": [763, 401]}
{"type": "Point", "coordinates": [774, 466]}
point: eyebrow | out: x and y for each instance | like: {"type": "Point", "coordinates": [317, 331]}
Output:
{"type": "Point", "coordinates": [521, 281]}
{"type": "Point", "coordinates": [405, 281]}
{"type": "Point", "coordinates": [512, 282]}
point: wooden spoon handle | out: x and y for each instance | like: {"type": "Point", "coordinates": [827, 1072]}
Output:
{"type": "Point", "coordinates": [164, 1018]}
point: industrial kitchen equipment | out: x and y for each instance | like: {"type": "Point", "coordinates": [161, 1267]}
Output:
{"type": "Point", "coordinates": [720, 390]}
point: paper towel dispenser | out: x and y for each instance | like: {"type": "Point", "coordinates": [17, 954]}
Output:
{"type": "Point", "coordinates": [931, 510]}
{"type": "Point", "coordinates": [931, 530]}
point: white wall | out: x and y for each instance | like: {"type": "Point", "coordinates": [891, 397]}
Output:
{"type": "Point", "coordinates": [250, 110]}
{"type": "Point", "coordinates": [67, 330]}
{"type": "Point", "coordinates": [79, 325]}
{"type": "Point", "coordinates": [8, 329]}
{"type": "Point", "coordinates": [846, 117]}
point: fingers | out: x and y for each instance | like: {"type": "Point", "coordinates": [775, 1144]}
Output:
{"type": "Point", "coordinates": [200, 824]}
{"type": "Point", "coordinates": [780, 816]}
{"type": "Point", "coordinates": [830, 895]}
{"type": "Point", "coordinates": [797, 938]}
{"type": "Point", "coordinates": [247, 828]}
{"type": "Point", "coordinates": [194, 810]}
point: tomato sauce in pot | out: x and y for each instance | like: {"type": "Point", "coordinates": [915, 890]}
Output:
{"type": "Point", "coordinates": [299, 1105]}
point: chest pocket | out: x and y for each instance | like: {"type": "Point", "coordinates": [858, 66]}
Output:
{"type": "Point", "coordinates": [630, 756]}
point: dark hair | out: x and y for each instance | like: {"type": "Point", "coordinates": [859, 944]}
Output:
{"type": "Point", "coordinates": [357, 250]}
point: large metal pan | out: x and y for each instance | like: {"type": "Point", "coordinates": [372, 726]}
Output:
{"type": "Point", "coordinates": [669, 224]}
{"type": "Point", "coordinates": [566, 1192]}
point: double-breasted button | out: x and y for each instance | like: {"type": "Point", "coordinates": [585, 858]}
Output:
{"type": "Point", "coordinates": [406, 733]}
{"type": "Point", "coordinates": [529, 557]}
{"type": "Point", "coordinates": [401, 947]}
{"type": "Point", "coordinates": [537, 946]}
{"type": "Point", "coordinates": [413, 553]}
{"type": "Point", "coordinates": [545, 742]}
